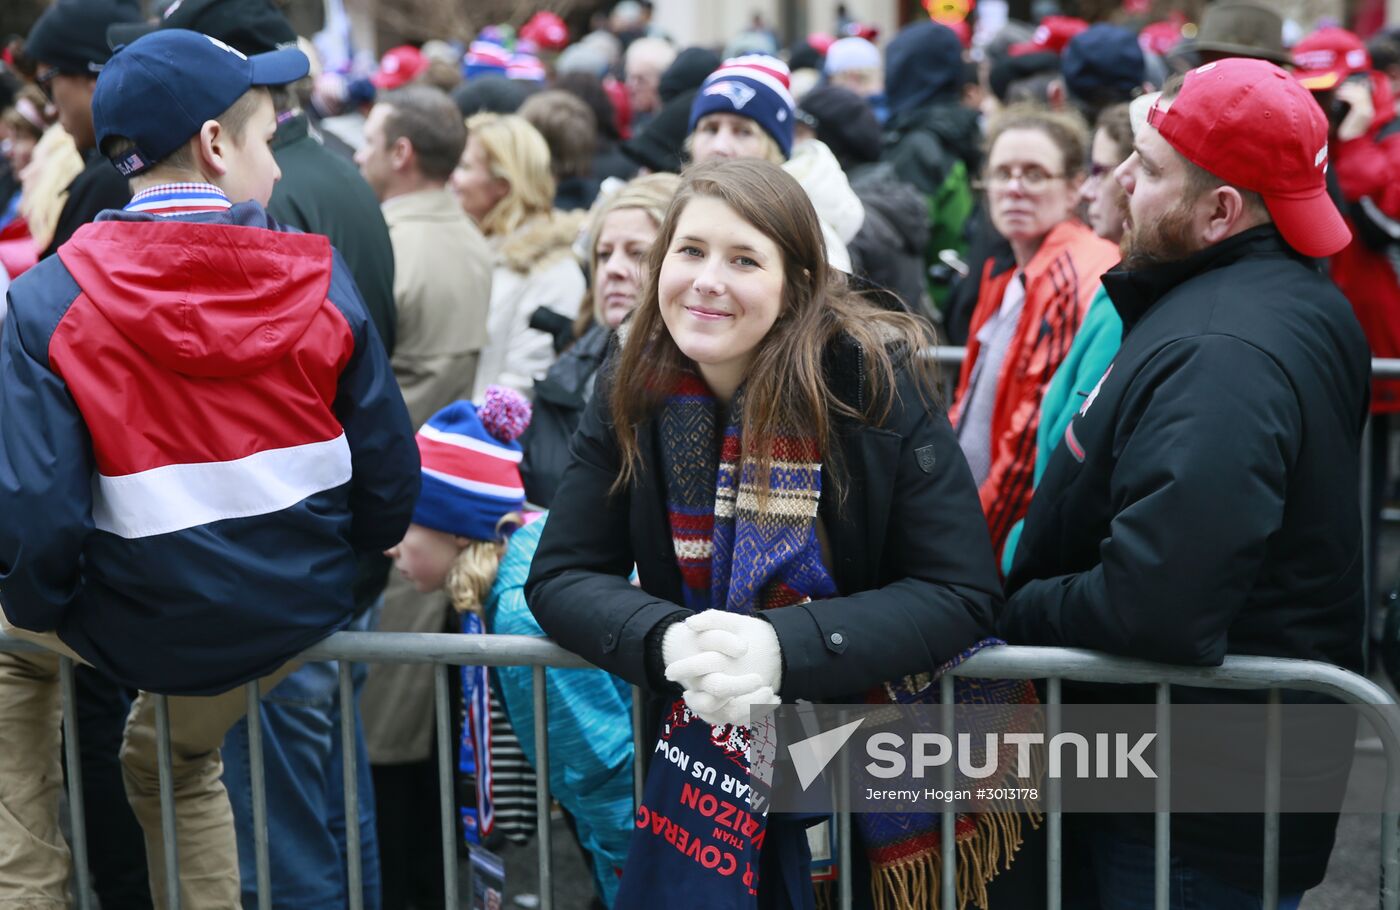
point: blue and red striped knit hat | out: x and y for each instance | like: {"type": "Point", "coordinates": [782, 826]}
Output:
{"type": "Point", "coordinates": [753, 86]}
{"type": "Point", "coordinates": [471, 465]}
{"type": "Point", "coordinates": [485, 58]}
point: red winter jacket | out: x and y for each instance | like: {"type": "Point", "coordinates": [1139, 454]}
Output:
{"type": "Point", "coordinates": [1061, 280]}
{"type": "Point", "coordinates": [1369, 168]}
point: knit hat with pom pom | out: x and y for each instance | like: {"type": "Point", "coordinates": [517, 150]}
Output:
{"type": "Point", "coordinates": [471, 465]}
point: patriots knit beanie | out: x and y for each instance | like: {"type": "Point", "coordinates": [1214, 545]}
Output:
{"type": "Point", "coordinates": [471, 465]}
{"type": "Point", "coordinates": [756, 87]}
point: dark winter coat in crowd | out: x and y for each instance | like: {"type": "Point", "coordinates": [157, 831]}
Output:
{"type": "Point", "coordinates": [889, 249]}
{"type": "Point", "coordinates": [984, 243]}
{"type": "Point", "coordinates": [928, 130]}
{"type": "Point", "coordinates": [609, 161]}
{"type": "Point", "coordinates": [560, 398]}
{"type": "Point", "coordinates": [9, 183]}
{"type": "Point", "coordinates": [926, 145]}
{"type": "Point", "coordinates": [908, 600]}
{"type": "Point", "coordinates": [323, 193]}
{"type": "Point", "coordinates": [1204, 503]}
{"type": "Point", "coordinates": [574, 194]}
{"type": "Point", "coordinates": [930, 138]}
{"type": "Point", "coordinates": [660, 146]}
{"type": "Point", "coordinates": [99, 187]}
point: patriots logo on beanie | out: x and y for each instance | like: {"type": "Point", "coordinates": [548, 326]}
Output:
{"type": "Point", "coordinates": [737, 93]}
{"type": "Point", "coordinates": [753, 86]}
{"type": "Point", "coordinates": [471, 465]}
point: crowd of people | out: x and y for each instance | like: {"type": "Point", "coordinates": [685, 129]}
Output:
{"type": "Point", "coordinates": [619, 341]}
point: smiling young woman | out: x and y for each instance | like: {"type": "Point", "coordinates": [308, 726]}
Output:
{"type": "Point", "coordinates": [766, 451]}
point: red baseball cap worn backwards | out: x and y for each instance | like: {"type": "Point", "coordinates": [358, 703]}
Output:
{"type": "Point", "coordinates": [1328, 56]}
{"type": "Point", "coordinates": [1253, 126]}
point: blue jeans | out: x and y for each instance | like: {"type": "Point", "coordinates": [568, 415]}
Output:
{"type": "Point", "coordinates": [1123, 878]}
{"type": "Point", "coordinates": [305, 791]}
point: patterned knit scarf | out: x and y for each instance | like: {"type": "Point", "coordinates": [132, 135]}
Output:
{"type": "Point", "coordinates": [734, 556]}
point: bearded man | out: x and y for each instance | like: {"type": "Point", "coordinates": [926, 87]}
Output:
{"type": "Point", "coordinates": [1203, 501]}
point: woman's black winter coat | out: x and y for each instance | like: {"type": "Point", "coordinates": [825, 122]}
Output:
{"type": "Point", "coordinates": [909, 552]}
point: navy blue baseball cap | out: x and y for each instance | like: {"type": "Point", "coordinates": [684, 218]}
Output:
{"type": "Point", "coordinates": [160, 90]}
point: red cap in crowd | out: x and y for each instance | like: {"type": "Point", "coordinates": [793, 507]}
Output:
{"type": "Point", "coordinates": [1327, 56]}
{"type": "Point", "coordinates": [1051, 36]}
{"type": "Point", "coordinates": [1252, 125]}
{"type": "Point", "coordinates": [399, 66]}
{"type": "Point", "coordinates": [547, 31]}
{"type": "Point", "coordinates": [1160, 37]}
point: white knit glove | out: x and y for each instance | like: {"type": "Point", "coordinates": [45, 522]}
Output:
{"type": "Point", "coordinates": [718, 711]}
{"type": "Point", "coordinates": [726, 663]}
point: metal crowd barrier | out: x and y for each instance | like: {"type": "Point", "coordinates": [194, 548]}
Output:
{"type": "Point", "coordinates": [1051, 664]}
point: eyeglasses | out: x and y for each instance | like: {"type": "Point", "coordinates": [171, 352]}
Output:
{"type": "Point", "coordinates": [44, 79]}
{"type": "Point", "coordinates": [1033, 178]}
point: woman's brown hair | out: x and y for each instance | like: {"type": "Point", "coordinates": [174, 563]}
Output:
{"type": "Point", "coordinates": [1066, 130]}
{"type": "Point", "coordinates": [786, 388]}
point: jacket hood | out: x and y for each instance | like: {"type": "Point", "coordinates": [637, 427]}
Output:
{"type": "Point", "coordinates": [954, 126]}
{"type": "Point", "coordinates": [814, 166]}
{"type": "Point", "coordinates": [660, 145]}
{"type": "Point", "coordinates": [540, 240]}
{"type": "Point", "coordinates": [923, 64]}
{"type": "Point", "coordinates": [687, 72]}
{"type": "Point", "coordinates": [218, 297]}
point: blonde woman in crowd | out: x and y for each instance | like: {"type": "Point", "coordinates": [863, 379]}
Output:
{"type": "Point", "coordinates": [504, 182]}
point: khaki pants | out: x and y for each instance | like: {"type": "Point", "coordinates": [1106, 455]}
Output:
{"type": "Point", "coordinates": [34, 860]}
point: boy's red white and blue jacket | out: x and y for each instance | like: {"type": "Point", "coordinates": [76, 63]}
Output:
{"type": "Point", "coordinates": [198, 433]}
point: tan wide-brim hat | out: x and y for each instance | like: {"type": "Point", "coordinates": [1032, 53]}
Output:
{"type": "Point", "coordinates": [1240, 29]}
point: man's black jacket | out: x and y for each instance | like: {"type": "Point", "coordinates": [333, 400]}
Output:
{"type": "Point", "coordinates": [1204, 501]}
{"type": "Point", "coordinates": [97, 187]}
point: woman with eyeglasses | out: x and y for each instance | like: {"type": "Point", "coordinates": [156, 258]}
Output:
{"type": "Point", "coordinates": [1101, 331]}
{"type": "Point", "coordinates": [1028, 308]}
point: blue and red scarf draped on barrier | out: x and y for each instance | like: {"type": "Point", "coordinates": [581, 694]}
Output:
{"type": "Point", "coordinates": [474, 750]}
{"type": "Point", "coordinates": [696, 843]}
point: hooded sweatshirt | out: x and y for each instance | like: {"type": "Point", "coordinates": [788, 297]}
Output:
{"type": "Point", "coordinates": [928, 129]}
{"type": "Point", "coordinates": [199, 433]}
